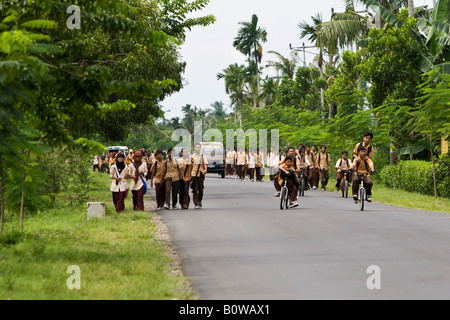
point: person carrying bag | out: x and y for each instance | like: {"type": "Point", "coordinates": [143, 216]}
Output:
{"type": "Point", "coordinates": [199, 170]}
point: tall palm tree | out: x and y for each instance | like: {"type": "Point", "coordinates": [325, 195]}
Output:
{"type": "Point", "coordinates": [216, 113]}
{"type": "Point", "coordinates": [285, 65]}
{"type": "Point", "coordinates": [249, 39]}
{"type": "Point", "coordinates": [235, 77]}
{"type": "Point", "coordinates": [269, 90]}
{"type": "Point", "coordinates": [311, 32]}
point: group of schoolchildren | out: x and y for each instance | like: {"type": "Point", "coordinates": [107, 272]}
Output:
{"type": "Point", "coordinates": [171, 175]}
{"type": "Point", "coordinates": [315, 166]}
{"type": "Point", "coordinates": [307, 161]}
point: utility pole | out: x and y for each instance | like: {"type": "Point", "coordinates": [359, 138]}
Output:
{"type": "Point", "coordinates": [302, 48]}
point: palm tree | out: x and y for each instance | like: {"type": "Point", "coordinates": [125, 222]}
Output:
{"type": "Point", "coordinates": [218, 110]}
{"type": "Point", "coordinates": [285, 65]}
{"type": "Point", "coordinates": [269, 90]}
{"type": "Point", "coordinates": [235, 77]}
{"type": "Point", "coordinates": [248, 42]}
{"type": "Point", "coordinates": [311, 32]}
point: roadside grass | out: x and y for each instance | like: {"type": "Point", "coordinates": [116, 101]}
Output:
{"type": "Point", "coordinates": [118, 256]}
{"type": "Point", "coordinates": [401, 198]}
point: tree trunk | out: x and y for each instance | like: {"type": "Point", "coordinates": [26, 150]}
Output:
{"type": "Point", "coordinates": [411, 8]}
{"type": "Point", "coordinates": [257, 84]}
{"type": "Point", "coordinates": [2, 201]}
{"type": "Point", "coordinates": [22, 202]}
{"type": "Point", "coordinates": [331, 110]}
{"type": "Point", "coordinates": [434, 166]}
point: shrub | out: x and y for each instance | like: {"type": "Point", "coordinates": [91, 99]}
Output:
{"type": "Point", "coordinates": [413, 176]}
{"type": "Point", "coordinates": [443, 176]}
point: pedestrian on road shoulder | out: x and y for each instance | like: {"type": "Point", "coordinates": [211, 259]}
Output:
{"type": "Point", "coordinates": [138, 170]}
{"type": "Point", "coordinates": [198, 173]}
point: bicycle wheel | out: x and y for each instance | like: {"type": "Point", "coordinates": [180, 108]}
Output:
{"type": "Point", "coordinates": [283, 198]}
{"type": "Point", "coordinates": [362, 198]}
{"type": "Point", "coordinates": [286, 202]}
{"type": "Point", "coordinates": [345, 189]}
{"type": "Point", "coordinates": [302, 188]}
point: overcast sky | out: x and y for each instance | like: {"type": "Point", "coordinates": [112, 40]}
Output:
{"type": "Point", "coordinates": [209, 50]}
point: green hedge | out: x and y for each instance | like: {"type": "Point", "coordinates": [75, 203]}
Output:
{"type": "Point", "coordinates": [417, 176]}
{"type": "Point", "coordinates": [443, 176]}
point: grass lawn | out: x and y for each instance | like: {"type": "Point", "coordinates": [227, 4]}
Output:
{"type": "Point", "coordinates": [118, 256]}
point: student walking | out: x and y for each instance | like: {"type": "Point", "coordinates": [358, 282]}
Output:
{"type": "Point", "coordinates": [241, 162]}
{"type": "Point", "coordinates": [323, 160]}
{"type": "Point", "coordinates": [198, 172]}
{"type": "Point", "coordinates": [138, 170]}
{"type": "Point", "coordinates": [309, 170]}
{"type": "Point", "coordinates": [251, 164]}
{"type": "Point", "coordinates": [259, 165]}
{"type": "Point", "coordinates": [96, 164]}
{"type": "Point", "coordinates": [185, 177]}
{"type": "Point", "coordinates": [171, 178]}
{"type": "Point", "coordinates": [315, 167]}
{"type": "Point", "coordinates": [129, 158]}
{"type": "Point", "coordinates": [158, 174]}
{"type": "Point", "coordinates": [272, 163]}
{"type": "Point", "coordinates": [230, 157]}
{"type": "Point", "coordinates": [119, 187]}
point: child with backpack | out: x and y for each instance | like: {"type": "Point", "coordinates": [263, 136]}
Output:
{"type": "Point", "coordinates": [342, 164]}
{"type": "Point", "coordinates": [158, 173]}
{"type": "Point", "coordinates": [324, 163]}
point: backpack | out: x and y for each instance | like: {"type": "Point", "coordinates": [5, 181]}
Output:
{"type": "Point", "coordinates": [369, 150]}
{"type": "Point", "coordinates": [348, 161]}
{"type": "Point", "coordinates": [327, 157]}
{"type": "Point", "coordinates": [365, 162]}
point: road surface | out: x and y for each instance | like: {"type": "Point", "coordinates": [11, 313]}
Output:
{"type": "Point", "coordinates": [242, 246]}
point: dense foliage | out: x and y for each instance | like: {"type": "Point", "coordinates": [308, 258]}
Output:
{"type": "Point", "coordinates": [64, 87]}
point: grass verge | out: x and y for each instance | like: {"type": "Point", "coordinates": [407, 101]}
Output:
{"type": "Point", "coordinates": [401, 198]}
{"type": "Point", "coordinates": [118, 256]}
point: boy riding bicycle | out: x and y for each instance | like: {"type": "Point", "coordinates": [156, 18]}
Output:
{"type": "Point", "coordinates": [362, 165]}
{"type": "Point", "coordinates": [342, 165]}
{"type": "Point", "coordinates": [288, 171]}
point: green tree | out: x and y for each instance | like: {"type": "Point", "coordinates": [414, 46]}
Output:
{"type": "Point", "coordinates": [285, 66]}
{"type": "Point", "coordinates": [248, 41]}
{"type": "Point", "coordinates": [235, 77]}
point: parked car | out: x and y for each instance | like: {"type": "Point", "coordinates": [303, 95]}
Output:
{"type": "Point", "coordinates": [117, 148]}
{"type": "Point", "coordinates": [214, 153]}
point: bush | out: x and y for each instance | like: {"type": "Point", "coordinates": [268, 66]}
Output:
{"type": "Point", "coordinates": [413, 176]}
{"type": "Point", "coordinates": [443, 176]}
{"type": "Point", "coordinates": [417, 176]}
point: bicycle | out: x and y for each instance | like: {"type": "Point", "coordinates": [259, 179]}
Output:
{"type": "Point", "coordinates": [362, 194]}
{"type": "Point", "coordinates": [302, 188]}
{"type": "Point", "coordinates": [284, 197]}
{"type": "Point", "coordinates": [345, 183]}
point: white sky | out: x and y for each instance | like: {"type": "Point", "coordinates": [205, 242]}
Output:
{"type": "Point", "coordinates": [209, 50]}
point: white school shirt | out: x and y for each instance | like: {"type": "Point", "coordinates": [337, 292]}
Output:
{"type": "Point", "coordinates": [122, 185]}
{"type": "Point", "coordinates": [273, 160]}
{"type": "Point", "coordinates": [143, 171]}
{"type": "Point", "coordinates": [251, 162]}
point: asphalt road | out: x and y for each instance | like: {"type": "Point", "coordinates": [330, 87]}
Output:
{"type": "Point", "coordinates": [242, 246]}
